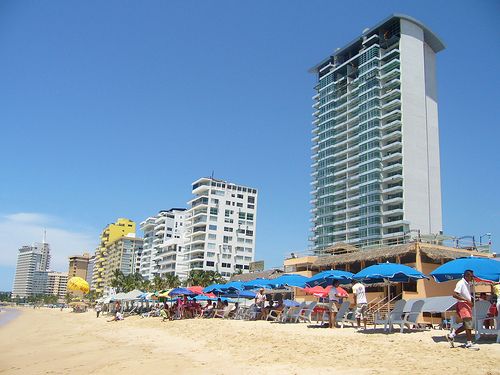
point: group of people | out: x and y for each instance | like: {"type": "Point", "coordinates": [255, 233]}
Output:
{"type": "Point", "coordinates": [335, 296]}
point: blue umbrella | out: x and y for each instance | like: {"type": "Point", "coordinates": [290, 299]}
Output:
{"type": "Point", "coordinates": [289, 280]}
{"type": "Point", "coordinates": [247, 294]}
{"type": "Point", "coordinates": [232, 286]}
{"type": "Point", "coordinates": [213, 288]}
{"type": "Point", "coordinates": [182, 292]}
{"type": "Point", "coordinates": [326, 278]}
{"type": "Point", "coordinates": [257, 283]}
{"type": "Point", "coordinates": [484, 268]}
{"type": "Point", "coordinates": [384, 272]}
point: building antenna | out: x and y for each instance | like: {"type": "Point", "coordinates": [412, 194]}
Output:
{"type": "Point", "coordinates": [212, 176]}
{"type": "Point", "coordinates": [44, 235]}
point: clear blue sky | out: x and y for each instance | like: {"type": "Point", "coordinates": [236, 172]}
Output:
{"type": "Point", "coordinates": [111, 109]}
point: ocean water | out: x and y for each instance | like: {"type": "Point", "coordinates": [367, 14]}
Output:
{"type": "Point", "coordinates": [6, 315]}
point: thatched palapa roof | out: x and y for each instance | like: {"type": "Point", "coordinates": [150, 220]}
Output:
{"type": "Point", "coordinates": [268, 274]}
{"type": "Point", "coordinates": [368, 254]}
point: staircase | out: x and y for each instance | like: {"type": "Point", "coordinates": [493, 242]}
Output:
{"type": "Point", "coordinates": [381, 306]}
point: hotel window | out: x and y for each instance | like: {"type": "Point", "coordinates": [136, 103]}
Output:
{"type": "Point", "coordinates": [212, 227]}
{"type": "Point", "coordinates": [210, 264]}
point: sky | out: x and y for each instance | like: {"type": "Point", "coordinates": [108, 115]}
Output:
{"type": "Point", "coordinates": [112, 109]}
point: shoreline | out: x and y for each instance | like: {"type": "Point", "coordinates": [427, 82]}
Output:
{"type": "Point", "coordinates": [61, 342]}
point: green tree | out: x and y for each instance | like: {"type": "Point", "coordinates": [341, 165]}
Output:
{"type": "Point", "coordinates": [204, 278]}
{"type": "Point", "coordinates": [68, 297]}
{"type": "Point", "coordinates": [118, 280]}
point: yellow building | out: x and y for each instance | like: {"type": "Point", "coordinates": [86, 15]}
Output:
{"type": "Point", "coordinates": [110, 234]}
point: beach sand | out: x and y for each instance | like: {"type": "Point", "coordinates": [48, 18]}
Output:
{"type": "Point", "coordinates": [48, 341]}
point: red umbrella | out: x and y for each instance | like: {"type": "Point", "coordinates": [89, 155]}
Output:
{"type": "Point", "coordinates": [196, 289]}
{"type": "Point", "coordinates": [319, 291]}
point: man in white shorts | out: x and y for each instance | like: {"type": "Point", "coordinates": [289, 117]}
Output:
{"type": "Point", "coordinates": [358, 290]}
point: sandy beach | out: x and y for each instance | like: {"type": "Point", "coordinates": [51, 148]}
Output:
{"type": "Point", "coordinates": [48, 341]}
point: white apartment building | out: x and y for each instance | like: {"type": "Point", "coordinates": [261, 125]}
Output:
{"type": "Point", "coordinates": [31, 260]}
{"type": "Point", "coordinates": [163, 247]}
{"type": "Point", "coordinates": [221, 227]}
{"type": "Point", "coordinates": [57, 283]}
{"type": "Point", "coordinates": [376, 165]}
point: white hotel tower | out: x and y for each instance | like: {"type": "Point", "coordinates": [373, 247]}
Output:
{"type": "Point", "coordinates": [376, 168]}
{"type": "Point", "coordinates": [220, 227]}
{"type": "Point", "coordinates": [163, 247]}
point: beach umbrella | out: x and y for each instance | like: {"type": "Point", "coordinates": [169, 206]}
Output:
{"type": "Point", "coordinates": [247, 294]}
{"type": "Point", "coordinates": [232, 286]}
{"type": "Point", "coordinates": [392, 272]}
{"type": "Point", "coordinates": [196, 289]}
{"type": "Point", "coordinates": [162, 293]}
{"type": "Point", "coordinates": [388, 273]}
{"type": "Point", "coordinates": [258, 283]}
{"type": "Point", "coordinates": [485, 269]}
{"type": "Point", "coordinates": [212, 288]}
{"type": "Point", "coordinates": [181, 292]}
{"type": "Point", "coordinates": [288, 280]}
{"type": "Point", "coordinates": [321, 292]}
{"type": "Point", "coordinates": [78, 284]}
{"type": "Point", "coordinates": [326, 278]}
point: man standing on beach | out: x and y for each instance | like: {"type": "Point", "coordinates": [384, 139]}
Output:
{"type": "Point", "coordinates": [260, 300]}
{"type": "Point", "coordinates": [358, 290]}
{"type": "Point", "coordinates": [465, 302]}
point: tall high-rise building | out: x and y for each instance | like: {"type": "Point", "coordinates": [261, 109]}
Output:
{"type": "Point", "coordinates": [78, 265]}
{"type": "Point", "coordinates": [376, 167]}
{"type": "Point", "coordinates": [31, 261]}
{"type": "Point", "coordinates": [121, 255]}
{"type": "Point", "coordinates": [220, 227]}
{"type": "Point", "coordinates": [111, 233]}
{"type": "Point", "coordinates": [90, 270]}
{"type": "Point", "coordinates": [163, 251]}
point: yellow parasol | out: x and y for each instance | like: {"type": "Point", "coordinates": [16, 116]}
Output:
{"type": "Point", "coordinates": [78, 284]}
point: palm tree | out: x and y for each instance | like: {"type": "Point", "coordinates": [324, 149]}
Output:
{"type": "Point", "coordinates": [172, 281]}
{"type": "Point", "coordinates": [204, 278]}
{"type": "Point", "coordinates": [118, 280]}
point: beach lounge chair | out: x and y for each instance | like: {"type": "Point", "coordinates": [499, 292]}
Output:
{"type": "Point", "coordinates": [396, 313]}
{"type": "Point", "coordinates": [341, 316]}
{"type": "Point", "coordinates": [241, 313]}
{"type": "Point", "coordinates": [223, 313]}
{"type": "Point", "coordinates": [275, 315]}
{"type": "Point", "coordinates": [305, 314]}
{"type": "Point", "coordinates": [295, 315]}
{"type": "Point", "coordinates": [252, 312]}
{"type": "Point", "coordinates": [481, 311]}
{"type": "Point", "coordinates": [325, 316]}
{"type": "Point", "coordinates": [409, 319]}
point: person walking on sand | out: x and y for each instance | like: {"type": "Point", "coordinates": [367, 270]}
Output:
{"type": "Point", "coordinates": [98, 309]}
{"type": "Point", "coordinates": [334, 297]}
{"type": "Point", "coordinates": [358, 290]}
{"type": "Point", "coordinates": [465, 302]}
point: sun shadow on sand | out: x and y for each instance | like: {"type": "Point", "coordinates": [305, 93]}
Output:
{"type": "Point", "coordinates": [460, 340]}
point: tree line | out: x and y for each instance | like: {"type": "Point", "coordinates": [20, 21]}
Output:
{"type": "Point", "coordinates": [126, 283]}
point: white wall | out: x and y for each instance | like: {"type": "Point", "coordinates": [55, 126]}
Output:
{"type": "Point", "coordinates": [421, 179]}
